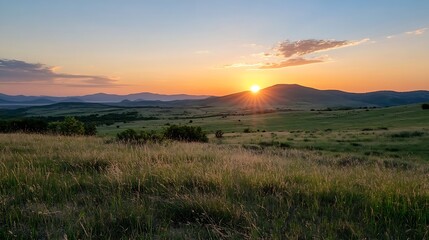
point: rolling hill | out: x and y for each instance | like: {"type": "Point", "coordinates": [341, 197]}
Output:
{"type": "Point", "coordinates": [290, 96]}
{"type": "Point", "coordinates": [98, 97]}
{"type": "Point", "coordinates": [297, 96]}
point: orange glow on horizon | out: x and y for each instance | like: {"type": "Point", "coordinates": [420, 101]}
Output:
{"type": "Point", "coordinates": [255, 88]}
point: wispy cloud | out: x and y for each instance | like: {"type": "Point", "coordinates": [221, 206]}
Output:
{"type": "Point", "coordinates": [295, 53]}
{"type": "Point", "coordinates": [244, 65]}
{"type": "Point", "coordinates": [16, 71]}
{"type": "Point", "coordinates": [303, 47]}
{"type": "Point", "coordinates": [417, 31]}
{"type": "Point", "coordinates": [290, 63]}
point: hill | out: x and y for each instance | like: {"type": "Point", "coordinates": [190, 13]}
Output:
{"type": "Point", "coordinates": [290, 96]}
{"type": "Point", "coordinates": [98, 97]}
{"type": "Point", "coordinates": [297, 96]}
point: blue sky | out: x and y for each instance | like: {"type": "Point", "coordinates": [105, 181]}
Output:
{"type": "Point", "coordinates": [137, 42]}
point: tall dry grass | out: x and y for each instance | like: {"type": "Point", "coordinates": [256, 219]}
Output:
{"type": "Point", "coordinates": [84, 187]}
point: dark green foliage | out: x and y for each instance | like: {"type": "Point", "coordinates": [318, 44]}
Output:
{"type": "Point", "coordinates": [275, 144]}
{"type": "Point", "coordinates": [26, 125]}
{"type": "Point", "coordinates": [406, 134]}
{"type": "Point", "coordinates": [425, 106]}
{"type": "Point", "coordinates": [71, 126]}
{"type": "Point", "coordinates": [247, 130]}
{"type": "Point", "coordinates": [132, 136]}
{"type": "Point", "coordinates": [219, 134]}
{"type": "Point", "coordinates": [111, 118]}
{"type": "Point", "coordinates": [185, 133]}
{"type": "Point", "coordinates": [128, 136]}
{"type": "Point", "coordinates": [90, 129]}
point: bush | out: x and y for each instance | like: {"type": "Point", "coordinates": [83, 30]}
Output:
{"type": "Point", "coordinates": [247, 130]}
{"type": "Point", "coordinates": [425, 106]}
{"type": "Point", "coordinates": [54, 127]}
{"type": "Point", "coordinates": [71, 126]}
{"type": "Point", "coordinates": [185, 133]}
{"type": "Point", "coordinates": [128, 136]}
{"type": "Point", "coordinates": [90, 129]}
{"type": "Point", "coordinates": [132, 136]}
{"type": "Point", "coordinates": [219, 134]}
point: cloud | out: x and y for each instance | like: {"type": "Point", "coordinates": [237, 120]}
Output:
{"type": "Point", "coordinates": [417, 32]}
{"type": "Point", "coordinates": [290, 63]}
{"type": "Point", "coordinates": [15, 71]}
{"type": "Point", "coordinates": [304, 47]}
{"type": "Point", "coordinates": [244, 65]}
{"type": "Point", "coordinates": [294, 53]}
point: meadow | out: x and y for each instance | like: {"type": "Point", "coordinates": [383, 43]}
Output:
{"type": "Point", "coordinates": [351, 174]}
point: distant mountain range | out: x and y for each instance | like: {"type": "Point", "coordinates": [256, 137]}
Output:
{"type": "Point", "coordinates": [98, 97]}
{"type": "Point", "coordinates": [281, 95]}
{"type": "Point", "coordinates": [296, 96]}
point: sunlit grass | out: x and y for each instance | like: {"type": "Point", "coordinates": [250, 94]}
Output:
{"type": "Point", "coordinates": [84, 187]}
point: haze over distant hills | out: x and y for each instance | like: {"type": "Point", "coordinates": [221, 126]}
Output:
{"type": "Point", "coordinates": [281, 95]}
{"type": "Point", "coordinates": [293, 95]}
{"type": "Point", "coordinates": [98, 97]}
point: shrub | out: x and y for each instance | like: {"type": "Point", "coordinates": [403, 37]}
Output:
{"type": "Point", "coordinates": [132, 136]}
{"type": "Point", "coordinates": [247, 130]}
{"type": "Point", "coordinates": [219, 134]}
{"type": "Point", "coordinates": [185, 133]}
{"type": "Point", "coordinates": [54, 127]}
{"type": "Point", "coordinates": [151, 136]}
{"type": "Point", "coordinates": [425, 106]}
{"type": "Point", "coordinates": [71, 126]}
{"type": "Point", "coordinates": [90, 129]}
{"type": "Point", "coordinates": [128, 136]}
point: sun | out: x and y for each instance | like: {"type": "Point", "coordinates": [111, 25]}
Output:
{"type": "Point", "coordinates": [255, 88]}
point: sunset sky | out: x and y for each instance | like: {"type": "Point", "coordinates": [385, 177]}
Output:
{"type": "Point", "coordinates": [211, 47]}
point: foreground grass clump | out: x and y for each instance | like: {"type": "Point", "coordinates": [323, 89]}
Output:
{"type": "Point", "coordinates": [54, 187]}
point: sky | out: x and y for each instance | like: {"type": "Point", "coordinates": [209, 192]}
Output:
{"type": "Point", "coordinates": [217, 47]}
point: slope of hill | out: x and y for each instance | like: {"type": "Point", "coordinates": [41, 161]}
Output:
{"type": "Point", "coordinates": [291, 96]}
{"type": "Point", "coordinates": [100, 97]}
{"type": "Point", "coordinates": [296, 96]}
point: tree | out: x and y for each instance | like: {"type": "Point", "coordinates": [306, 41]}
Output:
{"type": "Point", "coordinates": [425, 106]}
{"type": "Point", "coordinates": [71, 126]}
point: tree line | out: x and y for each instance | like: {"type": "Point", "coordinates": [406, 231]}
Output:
{"type": "Point", "coordinates": [69, 126]}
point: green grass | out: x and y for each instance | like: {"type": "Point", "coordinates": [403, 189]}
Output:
{"type": "Point", "coordinates": [397, 144]}
{"type": "Point", "coordinates": [410, 116]}
{"type": "Point", "coordinates": [55, 187]}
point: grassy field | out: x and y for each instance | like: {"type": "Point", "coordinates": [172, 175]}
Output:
{"type": "Point", "coordinates": [350, 174]}
{"type": "Point", "coordinates": [397, 132]}
{"type": "Point", "coordinates": [54, 187]}
{"type": "Point", "coordinates": [410, 116]}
